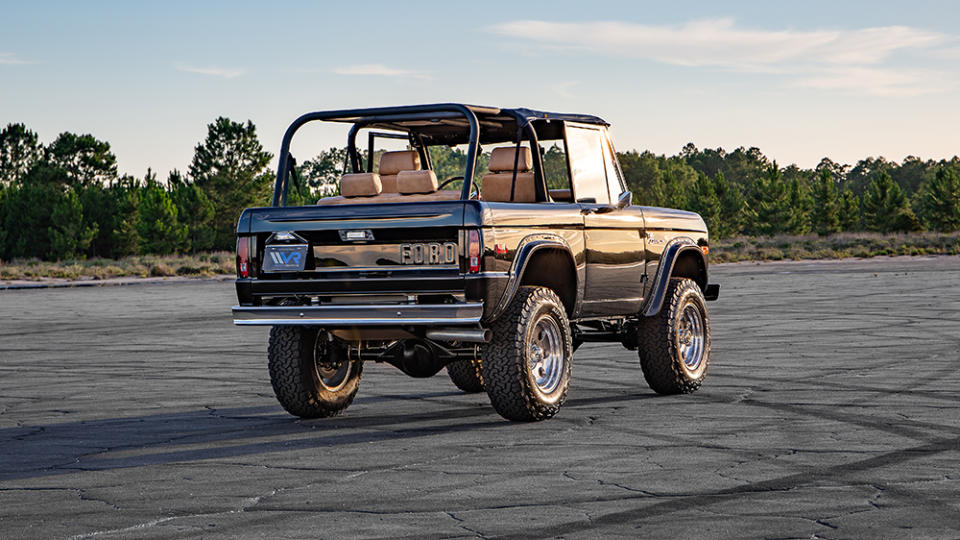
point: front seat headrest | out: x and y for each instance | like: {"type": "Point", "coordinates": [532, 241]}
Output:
{"type": "Point", "coordinates": [401, 160]}
{"type": "Point", "coordinates": [501, 159]}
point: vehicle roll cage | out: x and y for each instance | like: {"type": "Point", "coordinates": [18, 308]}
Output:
{"type": "Point", "coordinates": [425, 116]}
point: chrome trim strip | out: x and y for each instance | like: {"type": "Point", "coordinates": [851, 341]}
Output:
{"type": "Point", "coordinates": [359, 315]}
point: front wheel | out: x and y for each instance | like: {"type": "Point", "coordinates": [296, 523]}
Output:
{"type": "Point", "coordinates": [311, 377]}
{"type": "Point", "coordinates": [674, 344]}
{"type": "Point", "coordinates": [526, 367]}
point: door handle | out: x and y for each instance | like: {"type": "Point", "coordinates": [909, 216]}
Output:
{"type": "Point", "coordinates": [588, 211]}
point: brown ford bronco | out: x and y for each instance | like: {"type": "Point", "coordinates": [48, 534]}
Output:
{"type": "Point", "coordinates": [498, 278]}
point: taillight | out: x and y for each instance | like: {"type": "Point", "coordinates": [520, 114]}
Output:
{"type": "Point", "coordinates": [243, 256]}
{"type": "Point", "coordinates": [473, 251]}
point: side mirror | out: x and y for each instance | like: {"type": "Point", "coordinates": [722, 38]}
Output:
{"type": "Point", "coordinates": [624, 200]}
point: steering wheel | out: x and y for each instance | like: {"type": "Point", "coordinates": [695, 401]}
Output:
{"type": "Point", "coordinates": [473, 193]}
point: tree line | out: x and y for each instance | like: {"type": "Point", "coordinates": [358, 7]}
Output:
{"type": "Point", "coordinates": [744, 193]}
{"type": "Point", "coordinates": [65, 200]}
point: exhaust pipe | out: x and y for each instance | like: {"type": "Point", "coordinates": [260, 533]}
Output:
{"type": "Point", "coordinates": [467, 335]}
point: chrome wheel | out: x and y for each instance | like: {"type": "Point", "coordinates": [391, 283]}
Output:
{"type": "Point", "coordinates": [332, 373]}
{"type": "Point", "coordinates": [545, 356]}
{"type": "Point", "coordinates": [690, 337]}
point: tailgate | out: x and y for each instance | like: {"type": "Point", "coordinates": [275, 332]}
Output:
{"type": "Point", "coordinates": [371, 249]}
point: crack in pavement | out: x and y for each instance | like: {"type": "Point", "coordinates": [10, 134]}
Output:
{"type": "Point", "coordinates": [245, 506]}
{"type": "Point", "coordinates": [794, 481]}
{"type": "Point", "coordinates": [460, 523]}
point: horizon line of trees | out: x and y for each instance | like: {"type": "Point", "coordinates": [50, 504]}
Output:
{"type": "Point", "coordinates": [66, 200]}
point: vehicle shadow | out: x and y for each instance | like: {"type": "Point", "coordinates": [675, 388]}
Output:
{"type": "Point", "coordinates": [218, 433]}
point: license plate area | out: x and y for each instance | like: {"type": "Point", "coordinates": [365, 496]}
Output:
{"type": "Point", "coordinates": [285, 258]}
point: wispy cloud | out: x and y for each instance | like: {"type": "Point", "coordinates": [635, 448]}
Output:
{"type": "Point", "coordinates": [563, 89]}
{"type": "Point", "coordinates": [213, 71]}
{"type": "Point", "coordinates": [11, 59]}
{"type": "Point", "coordinates": [379, 70]}
{"type": "Point", "coordinates": [820, 58]}
{"type": "Point", "coordinates": [881, 82]}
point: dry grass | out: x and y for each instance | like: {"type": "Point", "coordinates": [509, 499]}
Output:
{"type": "Point", "coordinates": [837, 246]}
{"type": "Point", "coordinates": [199, 265]}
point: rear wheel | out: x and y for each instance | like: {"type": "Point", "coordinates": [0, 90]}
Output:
{"type": "Point", "coordinates": [311, 377]}
{"type": "Point", "coordinates": [466, 375]}
{"type": "Point", "coordinates": [674, 344]}
{"type": "Point", "coordinates": [526, 367]}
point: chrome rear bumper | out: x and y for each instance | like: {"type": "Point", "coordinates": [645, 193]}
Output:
{"type": "Point", "coordinates": [359, 315]}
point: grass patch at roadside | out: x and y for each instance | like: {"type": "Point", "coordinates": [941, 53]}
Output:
{"type": "Point", "coordinates": [837, 246]}
{"type": "Point", "coordinates": [197, 265]}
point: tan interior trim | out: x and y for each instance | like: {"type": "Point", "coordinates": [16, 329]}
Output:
{"type": "Point", "coordinates": [416, 182]}
{"type": "Point", "coordinates": [400, 160]}
{"type": "Point", "coordinates": [497, 186]}
{"type": "Point", "coordinates": [501, 159]}
{"type": "Point", "coordinates": [360, 185]}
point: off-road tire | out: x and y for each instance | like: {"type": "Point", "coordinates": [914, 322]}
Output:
{"type": "Point", "coordinates": [293, 356]}
{"type": "Point", "coordinates": [659, 343]}
{"type": "Point", "coordinates": [507, 372]}
{"type": "Point", "coordinates": [466, 375]}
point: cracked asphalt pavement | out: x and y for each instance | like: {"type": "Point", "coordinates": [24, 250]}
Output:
{"type": "Point", "coordinates": [830, 411]}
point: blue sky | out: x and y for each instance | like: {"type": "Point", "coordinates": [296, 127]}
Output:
{"type": "Point", "coordinates": [800, 80]}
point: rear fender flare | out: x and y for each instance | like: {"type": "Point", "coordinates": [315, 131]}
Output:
{"type": "Point", "coordinates": [528, 247]}
{"type": "Point", "coordinates": [673, 251]}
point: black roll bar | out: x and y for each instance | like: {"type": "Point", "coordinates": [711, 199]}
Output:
{"type": "Point", "coordinates": [371, 138]}
{"type": "Point", "coordinates": [372, 115]}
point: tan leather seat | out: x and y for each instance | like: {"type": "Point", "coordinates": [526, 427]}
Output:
{"type": "Point", "coordinates": [409, 182]}
{"type": "Point", "coordinates": [498, 183]}
{"type": "Point", "coordinates": [360, 185]}
{"type": "Point", "coordinates": [391, 163]}
{"type": "Point", "coordinates": [415, 186]}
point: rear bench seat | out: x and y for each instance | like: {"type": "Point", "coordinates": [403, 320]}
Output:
{"type": "Point", "coordinates": [413, 186]}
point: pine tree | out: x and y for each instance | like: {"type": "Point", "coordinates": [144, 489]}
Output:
{"type": "Point", "coordinates": [29, 214]}
{"type": "Point", "coordinates": [195, 211]}
{"type": "Point", "coordinates": [849, 211]}
{"type": "Point", "coordinates": [124, 239]}
{"type": "Point", "coordinates": [770, 203]}
{"type": "Point", "coordinates": [3, 219]}
{"type": "Point", "coordinates": [158, 229]}
{"type": "Point", "coordinates": [885, 207]}
{"type": "Point", "coordinates": [801, 204]}
{"type": "Point", "coordinates": [940, 201]}
{"type": "Point", "coordinates": [83, 159]}
{"type": "Point", "coordinates": [732, 208]}
{"type": "Point", "coordinates": [99, 211]}
{"type": "Point", "coordinates": [705, 202]}
{"type": "Point", "coordinates": [230, 167]}
{"type": "Point", "coordinates": [674, 194]}
{"type": "Point", "coordinates": [19, 150]}
{"type": "Point", "coordinates": [69, 238]}
{"type": "Point", "coordinates": [825, 217]}
{"type": "Point", "coordinates": [643, 176]}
